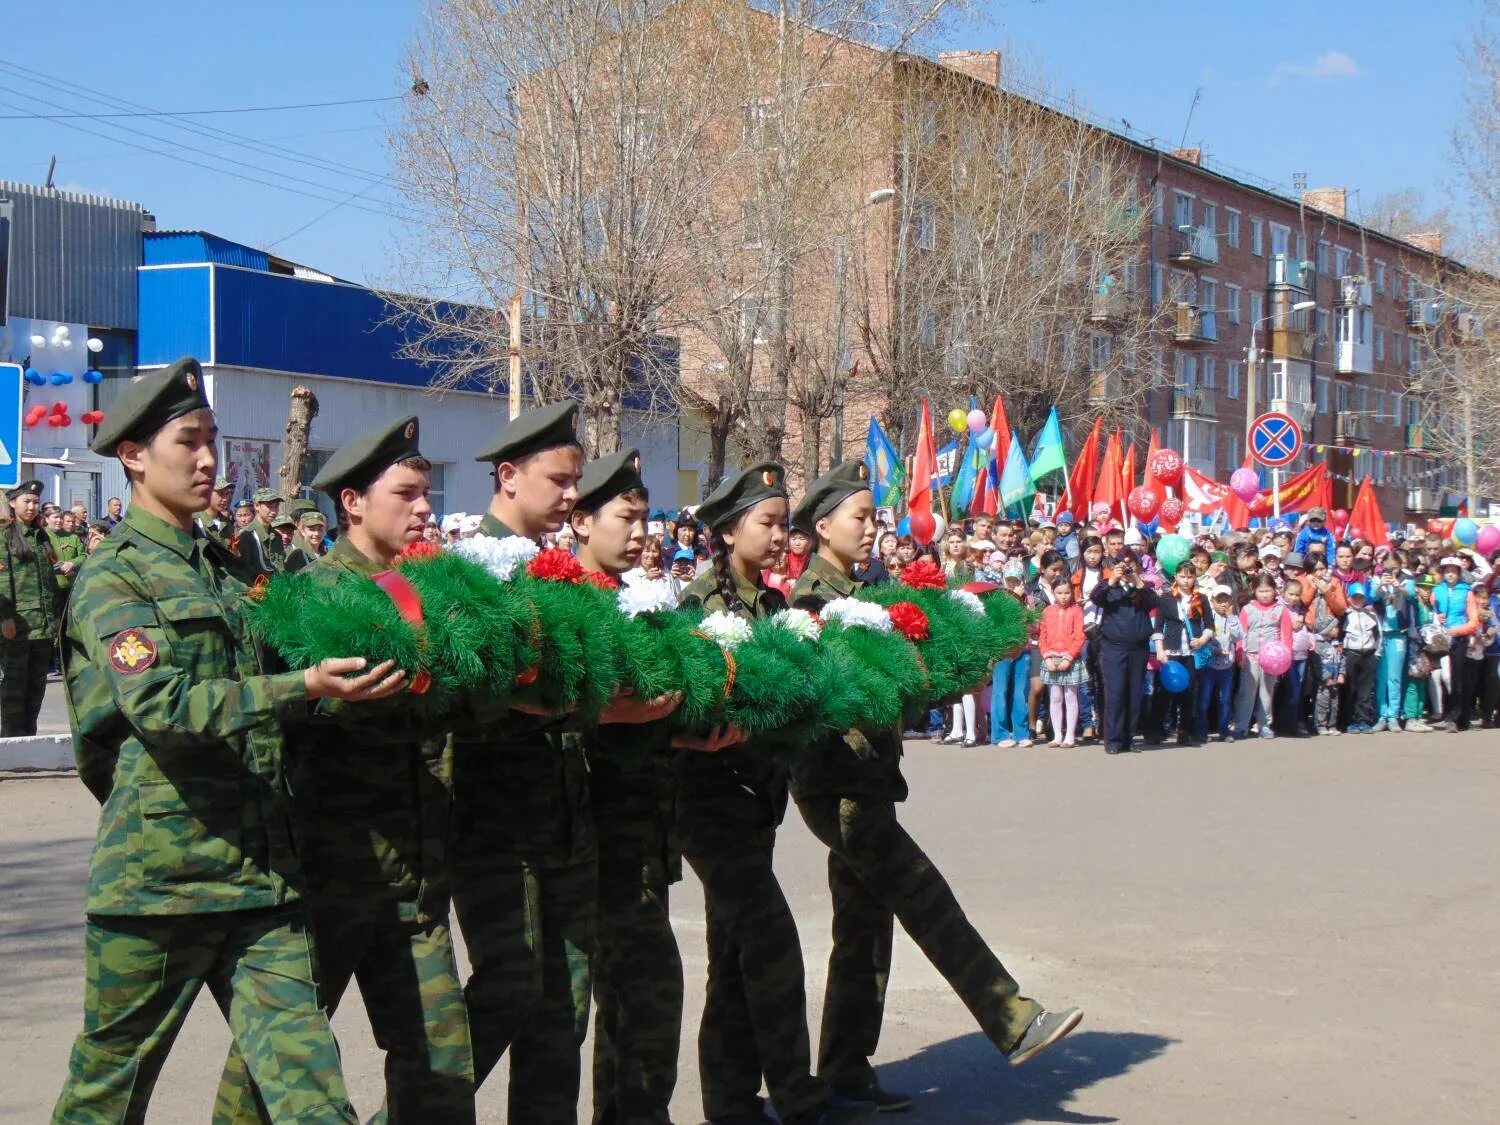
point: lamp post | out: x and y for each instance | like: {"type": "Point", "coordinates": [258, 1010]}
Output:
{"type": "Point", "coordinates": [1253, 375]}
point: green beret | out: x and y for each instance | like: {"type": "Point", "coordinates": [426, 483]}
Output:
{"type": "Point", "coordinates": [608, 477]}
{"type": "Point", "coordinates": [266, 495]}
{"type": "Point", "coordinates": [221, 483]}
{"type": "Point", "coordinates": [25, 488]}
{"type": "Point", "coordinates": [546, 427]}
{"type": "Point", "coordinates": [828, 492]}
{"type": "Point", "coordinates": [763, 480]}
{"type": "Point", "coordinates": [358, 462]}
{"type": "Point", "coordinates": [150, 403]}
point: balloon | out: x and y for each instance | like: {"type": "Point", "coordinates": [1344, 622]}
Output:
{"type": "Point", "coordinates": [38, 341]}
{"type": "Point", "coordinates": [1174, 677]}
{"type": "Point", "coordinates": [1340, 517]}
{"type": "Point", "coordinates": [976, 421]}
{"type": "Point", "coordinates": [985, 438]}
{"type": "Point", "coordinates": [1465, 532]}
{"type": "Point", "coordinates": [1275, 658]}
{"type": "Point", "coordinates": [923, 526]}
{"type": "Point", "coordinates": [958, 420]}
{"type": "Point", "coordinates": [1149, 528]}
{"type": "Point", "coordinates": [1172, 552]}
{"type": "Point", "coordinates": [93, 376]}
{"type": "Point", "coordinates": [940, 528]}
{"type": "Point", "coordinates": [35, 377]}
{"type": "Point", "coordinates": [61, 377]}
{"type": "Point", "coordinates": [1142, 503]}
{"type": "Point", "coordinates": [95, 345]}
{"type": "Point", "coordinates": [1166, 466]}
{"type": "Point", "coordinates": [1171, 512]}
{"type": "Point", "coordinates": [904, 527]}
{"type": "Point", "coordinates": [1245, 483]}
{"type": "Point", "coordinates": [1488, 540]}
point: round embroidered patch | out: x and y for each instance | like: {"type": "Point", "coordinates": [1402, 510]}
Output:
{"type": "Point", "coordinates": [131, 651]}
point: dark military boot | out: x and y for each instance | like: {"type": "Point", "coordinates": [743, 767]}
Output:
{"type": "Point", "coordinates": [835, 1111]}
{"type": "Point", "coordinates": [1044, 1031]}
{"type": "Point", "coordinates": [884, 1101]}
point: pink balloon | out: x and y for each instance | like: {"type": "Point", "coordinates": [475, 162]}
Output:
{"type": "Point", "coordinates": [1245, 483]}
{"type": "Point", "coordinates": [1488, 540]}
{"type": "Point", "coordinates": [1275, 658]}
{"type": "Point", "coordinates": [977, 421]}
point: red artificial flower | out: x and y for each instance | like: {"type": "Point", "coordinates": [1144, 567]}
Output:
{"type": "Point", "coordinates": [909, 619]}
{"type": "Point", "coordinates": [602, 580]}
{"type": "Point", "coordinates": [421, 549]}
{"type": "Point", "coordinates": [556, 565]}
{"type": "Point", "coordinates": [924, 574]}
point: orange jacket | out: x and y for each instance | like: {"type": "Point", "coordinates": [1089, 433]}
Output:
{"type": "Point", "coordinates": [1062, 631]}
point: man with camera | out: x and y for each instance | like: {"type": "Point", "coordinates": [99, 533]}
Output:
{"type": "Point", "coordinates": [1126, 603]}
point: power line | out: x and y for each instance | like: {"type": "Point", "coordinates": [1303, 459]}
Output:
{"type": "Point", "coordinates": [192, 112]}
{"type": "Point", "coordinates": [318, 218]}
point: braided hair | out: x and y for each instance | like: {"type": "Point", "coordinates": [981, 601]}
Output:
{"type": "Point", "coordinates": [723, 572]}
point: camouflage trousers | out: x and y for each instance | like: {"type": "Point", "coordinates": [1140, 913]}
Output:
{"type": "Point", "coordinates": [755, 1006]}
{"type": "Point", "coordinates": [141, 976]}
{"type": "Point", "coordinates": [24, 664]}
{"type": "Point", "coordinates": [529, 932]}
{"type": "Point", "coordinates": [637, 974]}
{"type": "Point", "coordinates": [408, 980]}
{"type": "Point", "coordinates": [876, 871]}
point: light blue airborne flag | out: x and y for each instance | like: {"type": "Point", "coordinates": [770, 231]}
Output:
{"type": "Point", "coordinates": [1015, 478]}
{"type": "Point", "coordinates": [970, 470]}
{"type": "Point", "coordinates": [1048, 454]}
{"type": "Point", "coordinates": [883, 464]}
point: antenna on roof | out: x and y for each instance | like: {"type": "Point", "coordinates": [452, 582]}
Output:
{"type": "Point", "coordinates": [51, 167]}
{"type": "Point", "coordinates": [1188, 124]}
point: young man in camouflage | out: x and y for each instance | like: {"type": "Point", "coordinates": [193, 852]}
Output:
{"type": "Point", "coordinates": [176, 716]}
{"type": "Point", "coordinates": [28, 611]}
{"type": "Point", "coordinates": [217, 519]}
{"type": "Point", "coordinates": [258, 543]}
{"type": "Point", "coordinates": [371, 814]}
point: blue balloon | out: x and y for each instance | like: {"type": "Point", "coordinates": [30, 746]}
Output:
{"type": "Point", "coordinates": [35, 377]}
{"type": "Point", "coordinates": [1149, 529]}
{"type": "Point", "coordinates": [58, 378]}
{"type": "Point", "coordinates": [1174, 677]}
{"type": "Point", "coordinates": [93, 375]}
{"type": "Point", "coordinates": [1465, 532]}
{"type": "Point", "coordinates": [904, 527]}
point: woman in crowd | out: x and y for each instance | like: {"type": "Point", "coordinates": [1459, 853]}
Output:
{"type": "Point", "coordinates": [1010, 694]}
{"type": "Point", "coordinates": [1124, 633]}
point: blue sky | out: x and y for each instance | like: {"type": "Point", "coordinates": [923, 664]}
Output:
{"type": "Point", "coordinates": [1360, 94]}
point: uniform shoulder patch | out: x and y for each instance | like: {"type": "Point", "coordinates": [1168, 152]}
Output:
{"type": "Point", "coordinates": [131, 651]}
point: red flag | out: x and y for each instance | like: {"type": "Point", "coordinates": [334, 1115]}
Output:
{"type": "Point", "coordinates": [1085, 472]}
{"type": "Point", "coordinates": [1202, 494]}
{"type": "Point", "coordinates": [1001, 425]}
{"type": "Point", "coordinates": [1150, 480]}
{"type": "Point", "coordinates": [987, 488]}
{"type": "Point", "coordinates": [1236, 509]}
{"type": "Point", "coordinates": [924, 465]}
{"type": "Point", "coordinates": [1107, 491]}
{"type": "Point", "coordinates": [1303, 491]}
{"type": "Point", "coordinates": [1127, 481]}
{"type": "Point", "coordinates": [1365, 515]}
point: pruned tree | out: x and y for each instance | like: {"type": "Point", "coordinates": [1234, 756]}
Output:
{"type": "Point", "coordinates": [300, 415]}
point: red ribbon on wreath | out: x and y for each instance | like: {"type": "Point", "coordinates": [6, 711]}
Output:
{"type": "Point", "coordinates": [408, 604]}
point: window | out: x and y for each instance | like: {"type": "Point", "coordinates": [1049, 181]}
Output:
{"type": "Point", "coordinates": [927, 329]}
{"type": "Point", "coordinates": [1379, 405]}
{"type": "Point", "coordinates": [1257, 244]}
{"type": "Point", "coordinates": [1232, 303]}
{"type": "Point", "coordinates": [1231, 452]}
{"type": "Point", "coordinates": [1413, 351]}
{"type": "Point", "coordinates": [1362, 400]}
{"type": "Point", "coordinates": [1280, 238]}
{"type": "Point", "coordinates": [1099, 346]}
{"type": "Point", "coordinates": [762, 126]}
{"type": "Point", "coordinates": [1413, 410]}
{"type": "Point", "coordinates": [1158, 204]}
{"type": "Point", "coordinates": [1364, 320]}
{"type": "Point", "coordinates": [1232, 379]}
{"type": "Point", "coordinates": [1340, 262]}
{"type": "Point", "coordinates": [1182, 209]}
{"type": "Point", "coordinates": [1128, 276]}
{"type": "Point", "coordinates": [1232, 228]}
{"type": "Point", "coordinates": [1322, 394]}
{"type": "Point", "coordinates": [1257, 308]}
{"type": "Point", "coordinates": [927, 124]}
{"type": "Point", "coordinates": [926, 225]}
{"type": "Point", "coordinates": [1208, 293]}
{"type": "Point", "coordinates": [1341, 397]}
{"type": "Point", "coordinates": [752, 319]}
{"type": "Point", "coordinates": [1379, 276]}
{"type": "Point", "coordinates": [1210, 372]}
{"type": "Point", "coordinates": [1322, 326]}
{"type": "Point", "coordinates": [1187, 371]}
{"type": "Point", "coordinates": [1158, 283]}
{"type": "Point", "coordinates": [436, 491]}
{"type": "Point", "coordinates": [1380, 344]}
{"type": "Point", "coordinates": [1210, 217]}
{"type": "Point", "coordinates": [1322, 261]}
{"type": "Point", "coordinates": [1069, 263]}
{"type": "Point", "coordinates": [1398, 346]}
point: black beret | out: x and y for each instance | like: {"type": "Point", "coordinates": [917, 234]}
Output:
{"type": "Point", "coordinates": [150, 403]}
{"type": "Point", "coordinates": [360, 461]}
{"type": "Point", "coordinates": [763, 480]}
{"type": "Point", "coordinates": [828, 492]}
{"type": "Point", "coordinates": [25, 488]}
{"type": "Point", "coordinates": [608, 477]}
{"type": "Point", "coordinates": [546, 427]}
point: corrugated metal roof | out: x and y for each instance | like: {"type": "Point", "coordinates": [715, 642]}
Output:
{"type": "Point", "coordinates": [173, 248]}
{"type": "Point", "coordinates": [73, 256]}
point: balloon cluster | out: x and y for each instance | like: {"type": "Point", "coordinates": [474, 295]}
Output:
{"type": "Point", "coordinates": [56, 417]}
{"type": "Point", "coordinates": [975, 423]}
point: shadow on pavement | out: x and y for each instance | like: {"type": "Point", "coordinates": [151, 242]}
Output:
{"type": "Point", "coordinates": [965, 1079]}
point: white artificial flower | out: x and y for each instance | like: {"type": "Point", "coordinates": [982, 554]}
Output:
{"type": "Point", "coordinates": [725, 628]}
{"type": "Point", "coordinates": [797, 621]}
{"type": "Point", "coordinates": [500, 557]}
{"type": "Point", "coordinates": [851, 612]}
{"type": "Point", "coordinates": [969, 598]}
{"type": "Point", "coordinates": [646, 595]}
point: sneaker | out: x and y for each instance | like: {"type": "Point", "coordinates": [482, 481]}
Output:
{"type": "Point", "coordinates": [1026, 742]}
{"type": "Point", "coordinates": [1226, 738]}
{"type": "Point", "coordinates": [969, 744]}
{"type": "Point", "coordinates": [1068, 744]}
{"type": "Point", "coordinates": [1417, 726]}
{"type": "Point", "coordinates": [1055, 742]}
{"type": "Point", "coordinates": [1005, 743]}
{"type": "Point", "coordinates": [884, 1101]}
{"type": "Point", "coordinates": [1045, 1030]}
{"type": "Point", "coordinates": [1381, 726]}
{"type": "Point", "coordinates": [1442, 725]}
{"type": "Point", "coordinates": [1268, 734]}
{"type": "Point", "coordinates": [834, 1111]}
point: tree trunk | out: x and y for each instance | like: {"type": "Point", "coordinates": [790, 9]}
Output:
{"type": "Point", "coordinates": [299, 418]}
{"type": "Point", "coordinates": [812, 445]}
{"type": "Point", "coordinates": [718, 447]}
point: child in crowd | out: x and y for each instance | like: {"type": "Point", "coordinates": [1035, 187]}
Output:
{"type": "Point", "coordinates": [1263, 620]}
{"type": "Point", "coordinates": [1289, 694]}
{"type": "Point", "coordinates": [1216, 678]}
{"type": "Point", "coordinates": [1061, 645]}
{"type": "Point", "coordinates": [1330, 683]}
{"type": "Point", "coordinates": [1362, 643]}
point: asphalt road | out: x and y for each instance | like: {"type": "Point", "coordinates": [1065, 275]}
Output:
{"type": "Point", "coordinates": [1288, 932]}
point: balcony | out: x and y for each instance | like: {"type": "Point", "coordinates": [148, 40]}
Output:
{"type": "Point", "coordinates": [1195, 325]}
{"type": "Point", "coordinates": [1351, 428]}
{"type": "Point", "coordinates": [1423, 501]}
{"type": "Point", "coordinates": [1354, 291]}
{"type": "Point", "coordinates": [1194, 402]}
{"type": "Point", "coordinates": [1413, 436]}
{"type": "Point", "coordinates": [1468, 328]}
{"type": "Point", "coordinates": [1283, 271]}
{"type": "Point", "coordinates": [1108, 308]}
{"type": "Point", "coordinates": [1292, 333]}
{"type": "Point", "coordinates": [1422, 313]}
{"type": "Point", "coordinates": [1195, 246]}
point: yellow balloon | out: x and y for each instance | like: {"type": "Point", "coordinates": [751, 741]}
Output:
{"type": "Point", "coordinates": [958, 420]}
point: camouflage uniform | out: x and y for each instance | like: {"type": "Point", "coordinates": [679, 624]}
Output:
{"type": "Point", "coordinates": [755, 1007]}
{"type": "Point", "coordinates": [371, 810]}
{"type": "Point", "coordinates": [637, 969]}
{"type": "Point", "coordinates": [847, 791]}
{"type": "Point", "coordinates": [525, 882]}
{"type": "Point", "coordinates": [28, 595]}
{"type": "Point", "coordinates": [261, 547]}
{"type": "Point", "coordinates": [194, 878]}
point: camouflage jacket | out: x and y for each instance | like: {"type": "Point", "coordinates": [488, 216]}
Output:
{"type": "Point", "coordinates": [370, 793]}
{"type": "Point", "coordinates": [28, 587]}
{"type": "Point", "coordinates": [177, 728]}
{"type": "Point", "coordinates": [261, 547]}
{"type": "Point", "coordinates": [520, 784]}
{"type": "Point", "coordinates": [66, 547]}
{"type": "Point", "coordinates": [858, 763]}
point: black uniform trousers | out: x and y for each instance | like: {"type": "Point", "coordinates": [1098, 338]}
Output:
{"type": "Point", "coordinates": [1123, 670]}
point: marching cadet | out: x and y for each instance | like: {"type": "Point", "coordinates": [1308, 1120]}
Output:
{"type": "Point", "coordinates": [28, 611]}
{"type": "Point", "coordinates": [177, 722]}
{"type": "Point", "coordinates": [846, 790]}
{"type": "Point", "coordinates": [371, 815]}
{"type": "Point", "coordinates": [636, 968]}
{"type": "Point", "coordinates": [729, 807]}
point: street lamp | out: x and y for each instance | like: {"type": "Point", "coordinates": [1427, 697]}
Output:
{"type": "Point", "coordinates": [1254, 362]}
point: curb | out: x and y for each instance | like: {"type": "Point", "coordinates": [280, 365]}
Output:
{"type": "Point", "coordinates": [37, 752]}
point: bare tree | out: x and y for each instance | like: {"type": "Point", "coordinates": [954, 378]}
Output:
{"type": "Point", "coordinates": [299, 419]}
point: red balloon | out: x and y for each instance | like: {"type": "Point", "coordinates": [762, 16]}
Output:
{"type": "Point", "coordinates": [1260, 506]}
{"type": "Point", "coordinates": [923, 526]}
{"type": "Point", "coordinates": [1142, 503]}
{"type": "Point", "coordinates": [1166, 466]}
{"type": "Point", "coordinates": [1339, 516]}
{"type": "Point", "coordinates": [1172, 511]}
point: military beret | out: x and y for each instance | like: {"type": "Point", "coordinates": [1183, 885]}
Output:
{"type": "Point", "coordinates": [358, 462]}
{"type": "Point", "coordinates": [763, 480]}
{"type": "Point", "coordinates": [25, 488]}
{"type": "Point", "coordinates": [244, 503]}
{"type": "Point", "coordinates": [546, 427]}
{"type": "Point", "coordinates": [265, 495]}
{"type": "Point", "coordinates": [150, 403]}
{"type": "Point", "coordinates": [608, 477]}
{"type": "Point", "coordinates": [828, 492]}
{"type": "Point", "coordinates": [221, 483]}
